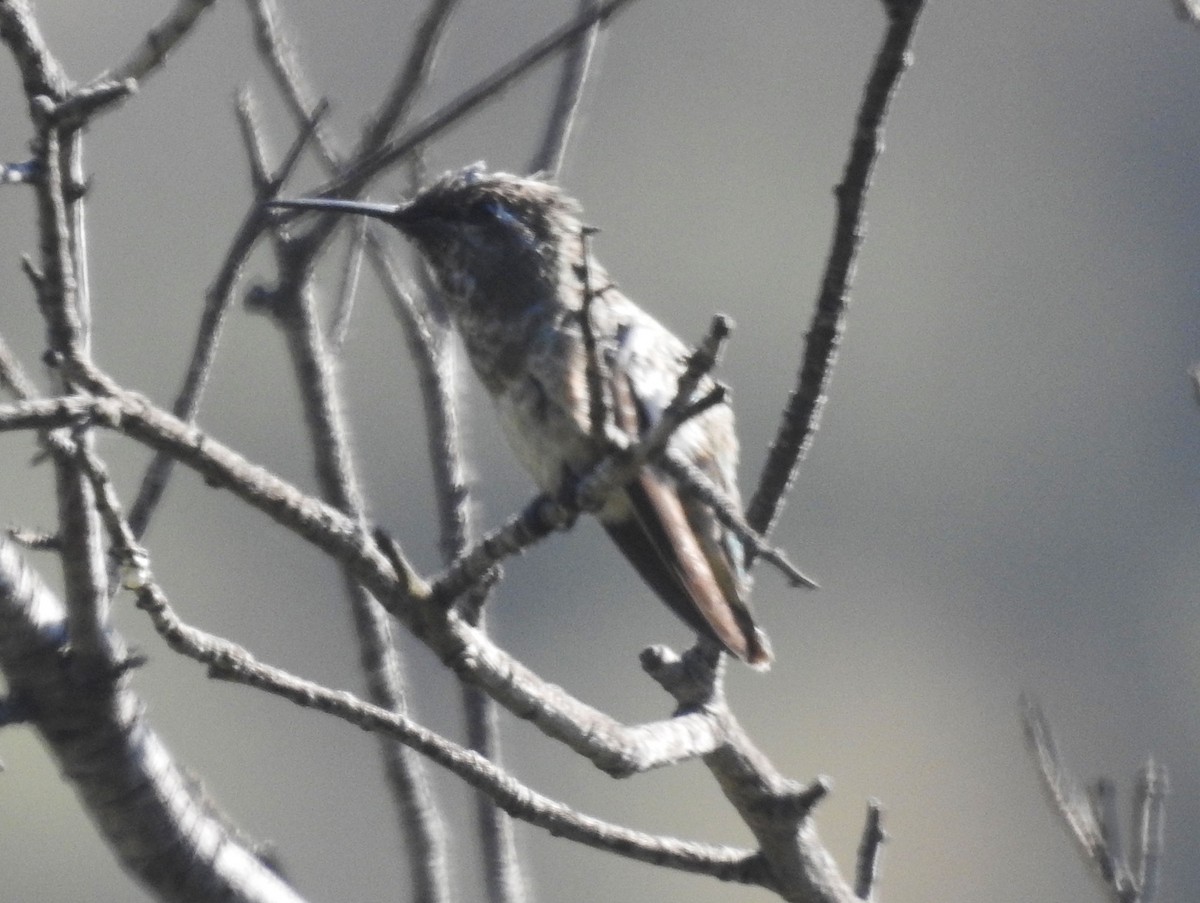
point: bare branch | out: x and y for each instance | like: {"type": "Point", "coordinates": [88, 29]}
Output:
{"type": "Point", "coordinates": [576, 63]}
{"type": "Point", "coordinates": [152, 53]}
{"type": "Point", "coordinates": [1061, 787]}
{"type": "Point", "coordinates": [347, 293]}
{"type": "Point", "coordinates": [471, 99]}
{"type": "Point", "coordinates": [1149, 807]}
{"type": "Point", "coordinates": [252, 141]}
{"type": "Point", "coordinates": [12, 375]}
{"type": "Point", "coordinates": [281, 63]}
{"type": "Point", "coordinates": [336, 474]}
{"type": "Point", "coordinates": [228, 661]}
{"type": "Point", "coordinates": [81, 105]}
{"type": "Point", "coordinates": [803, 411]}
{"type": "Point", "coordinates": [1092, 819]}
{"type": "Point", "coordinates": [41, 75]}
{"type": "Point", "coordinates": [1102, 799]}
{"type": "Point", "coordinates": [161, 827]}
{"type": "Point", "coordinates": [870, 849]}
{"type": "Point", "coordinates": [598, 414]}
{"type": "Point", "coordinates": [409, 81]}
{"type": "Point", "coordinates": [216, 304]}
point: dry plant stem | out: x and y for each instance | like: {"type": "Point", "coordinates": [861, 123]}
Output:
{"type": "Point", "coordinates": [776, 809]}
{"type": "Point", "coordinates": [423, 828]}
{"type": "Point", "coordinates": [228, 661]}
{"type": "Point", "coordinates": [12, 375]}
{"type": "Point", "coordinates": [870, 848]}
{"type": "Point", "coordinates": [430, 351]}
{"type": "Point", "coordinates": [252, 140]}
{"type": "Point", "coordinates": [803, 411]}
{"type": "Point", "coordinates": [217, 300]}
{"type": "Point", "coordinates": [576, 63]}
{"type": "Point", "coordinates": [339, 325]}
{"type": "Point", "coordinates": [488, 89]}
{"type": "Point", "coordinates": [149, 812]}
{"type": "Point", "coordinates": [611, 746]}
{"type": "Point", "coordinates": [62, 306]}
{"type": "Point", "coordinates": [151, 54]}
{"type": "Point", "coordinates": [594, 366]}
{"type": "Point", "coordinates": [1149, 801]}
{"type": "Point", "coordinates": [276, 53]}
{"type": "Point", "coordinates": [410, 80]}
{"type": "Point", "coordinates": [504, 884]}
{"type": "Point", "coordinates": [1091, 819]}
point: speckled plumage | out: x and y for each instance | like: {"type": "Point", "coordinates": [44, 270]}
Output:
{"type": "Point", "coordinates": [508, 253]}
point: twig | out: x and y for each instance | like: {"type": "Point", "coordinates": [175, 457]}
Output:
{"type": "Point", "coordinates": [410, 80]}
{"type": "Point", "coordinates": [252, 141]}
{"type": "Point", "coordinates": [870, 849]}
{"type": "Point", "coordinates": [78, 108]}
{"type": "Point", "coordinates": [217, 300]}
{"type": "Point", "coordinates": [12, 375]}
{"type": "Point", "coordinates": [549, 158]}
{"type": "Point", "coordinates": [1149, 806]}
{"type": "Point", "coordinates": [159, 42]}
{"type": "Point", "coordinates": [354, 179]}
{"type": "Point", "coordinates": [380, 659]}
{"type": "Point", "coordinates": [229, 661]}
{"type": "Point", "coordinates": [802, 414]}
{"type": "Point", "coordinates": [594, 366]}
{"type": "Point", "coordinates": [160, 825]}
{"type": "Point", "coordinates": [277, 53]}
{"type": "Point", "coordinates": [339, 326]}
{"type": "Point", "coordinates": [431, 354]}
{"type": "Point", "coordinates": [1091, 820]}
{"type": "Point", "coordinates": [697, 484]}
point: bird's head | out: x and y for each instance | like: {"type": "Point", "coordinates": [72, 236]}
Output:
{"type": "Point", "coordinates": [490, 238]}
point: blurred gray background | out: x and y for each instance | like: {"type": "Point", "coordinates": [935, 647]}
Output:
{"type": "Point", "coordinates": [1003, 495]}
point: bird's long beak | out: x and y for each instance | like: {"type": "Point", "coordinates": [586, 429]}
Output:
{"type": "Point", "coordinates": [389, 213]}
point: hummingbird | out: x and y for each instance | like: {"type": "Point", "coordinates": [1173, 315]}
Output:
{"type": "Point", "coordinates": [511, 257]}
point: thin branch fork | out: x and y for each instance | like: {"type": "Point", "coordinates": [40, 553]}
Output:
{"type": "Point", "coordinates": [613, 747]}
{"type": "Point", "coordinates": [354, 179]}
{"type": "Point", "coordinates": [1091, 819]}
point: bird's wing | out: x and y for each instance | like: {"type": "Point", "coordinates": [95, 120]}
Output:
{"type": "Point", "coordinates": [675, 542]}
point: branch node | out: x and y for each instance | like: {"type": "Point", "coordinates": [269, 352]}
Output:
{"type": "Point", "coordinates": [692, 678]}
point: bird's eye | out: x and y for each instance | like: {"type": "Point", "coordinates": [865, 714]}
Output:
{"type": "Point", "coordinates": [499, 212]}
